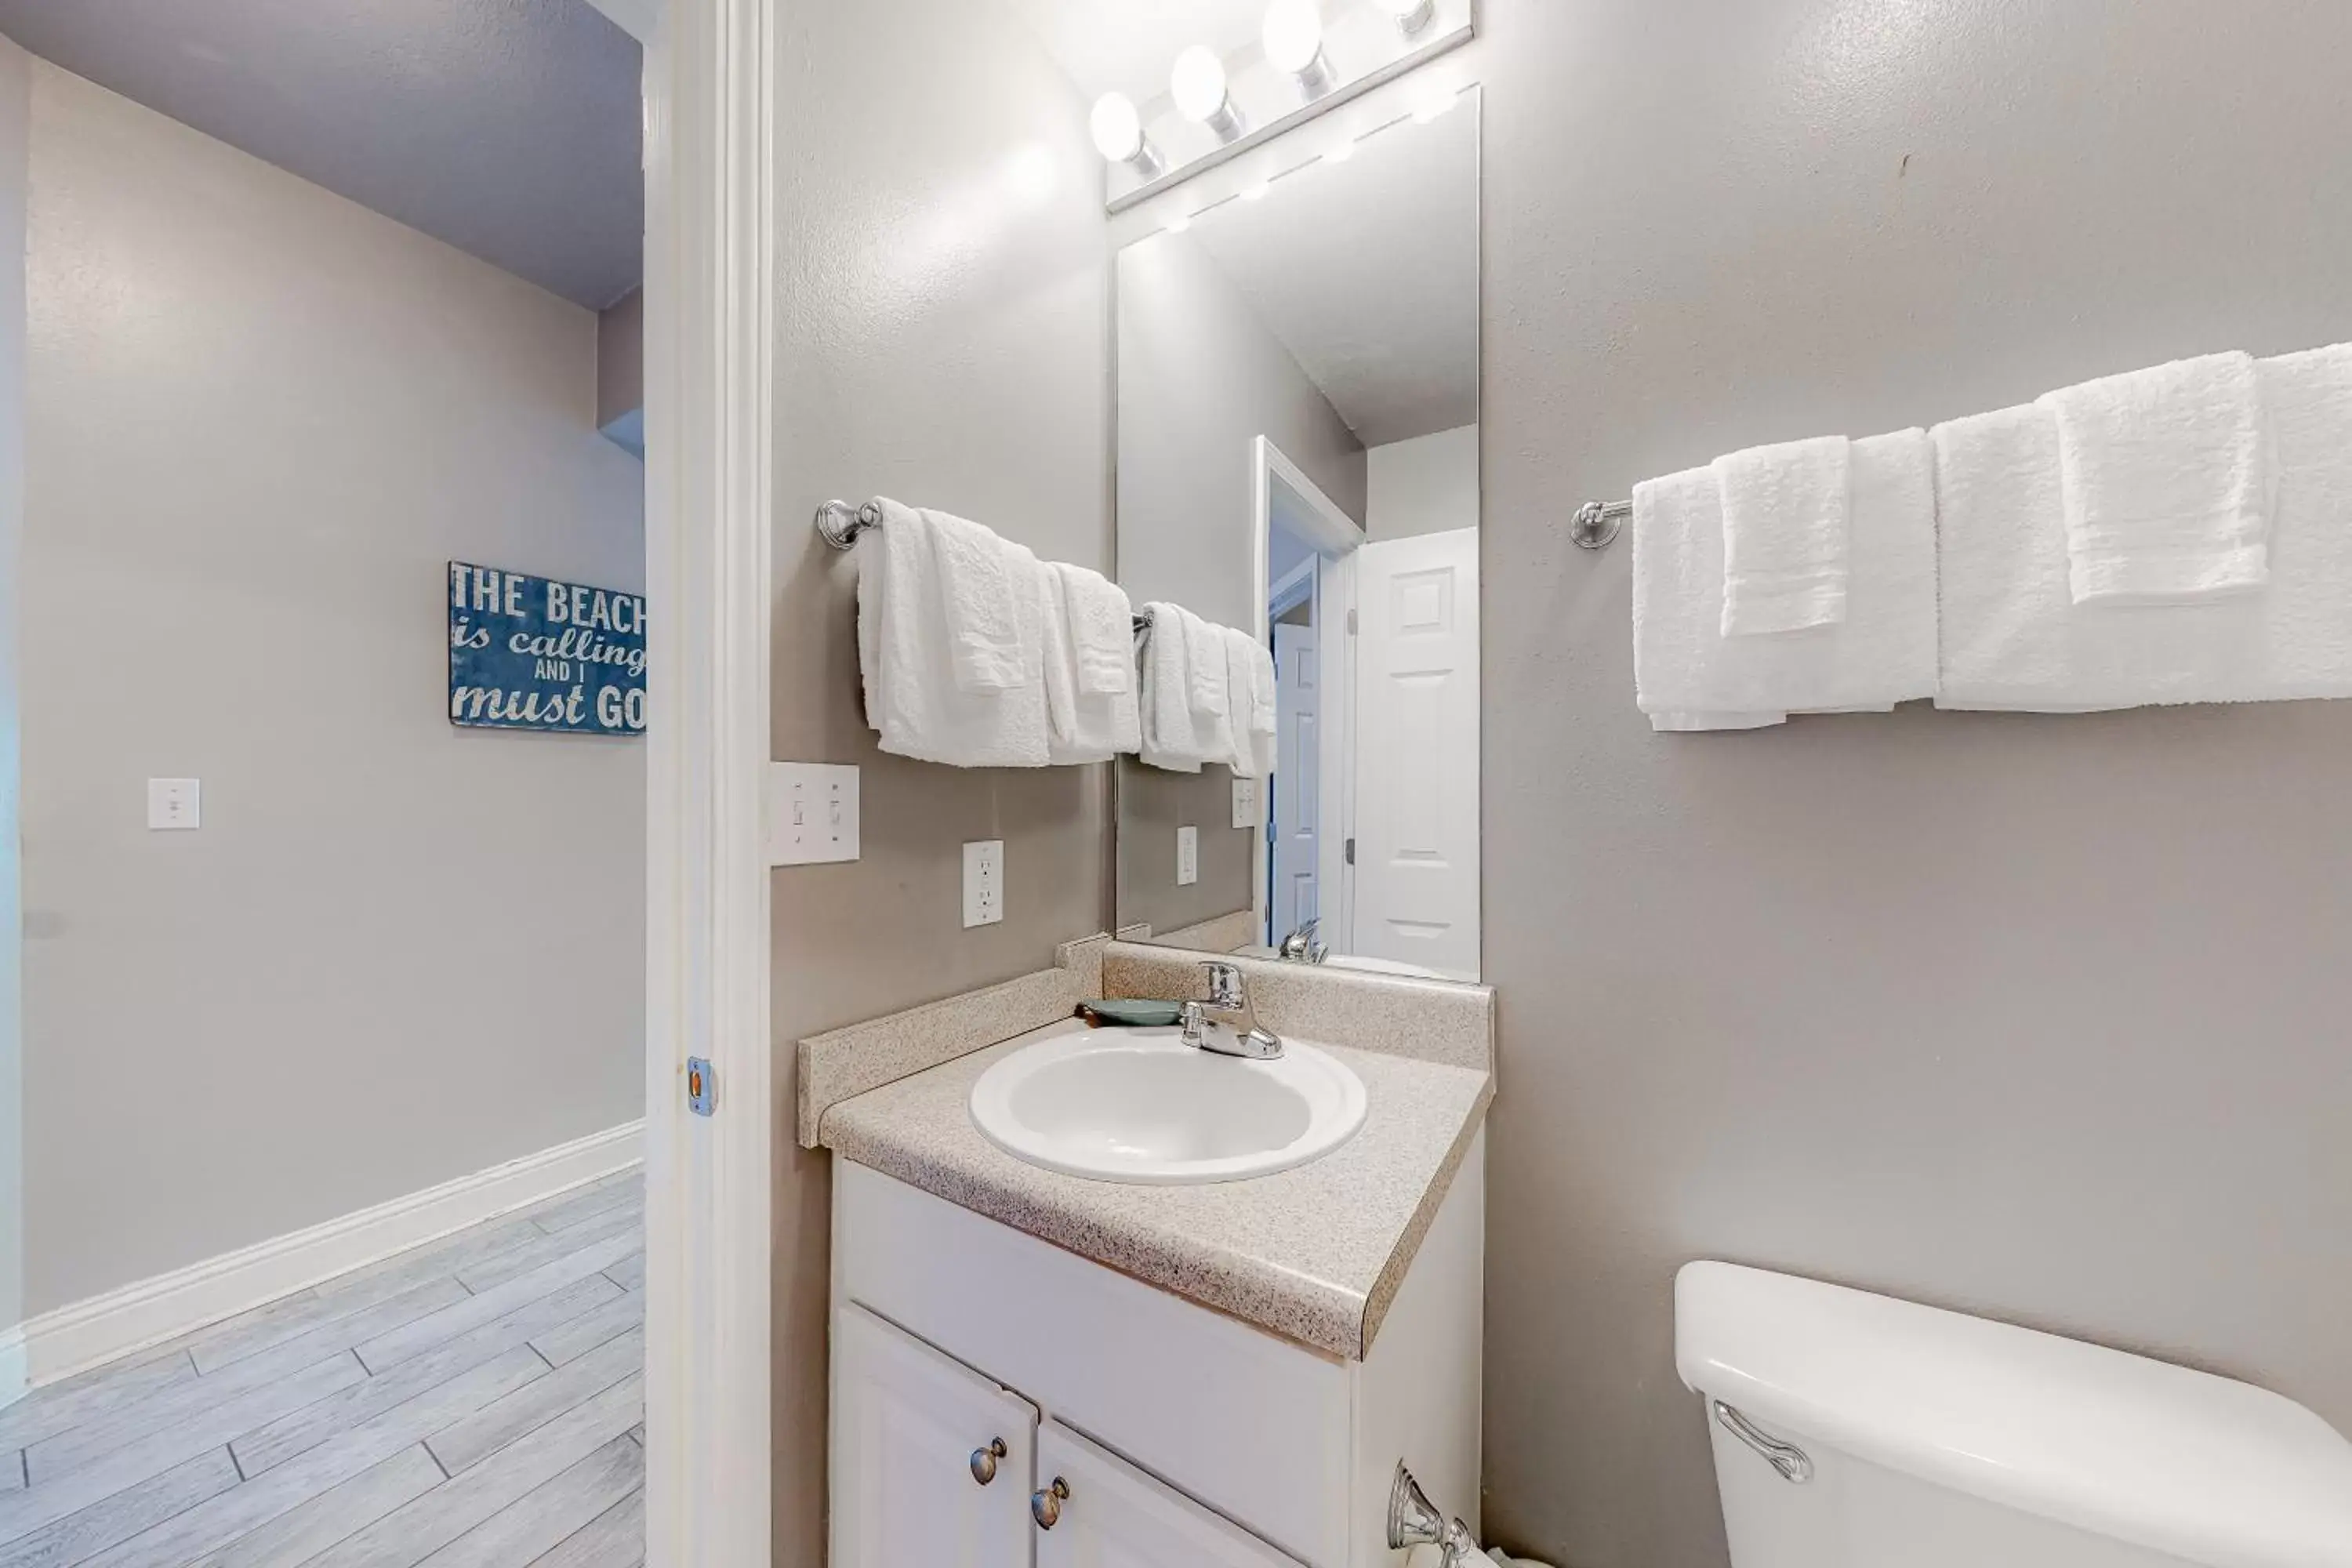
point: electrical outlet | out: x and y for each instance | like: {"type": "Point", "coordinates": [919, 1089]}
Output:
{"type": "Point", "coordinates": [812, 813]}
{"type": "Point", "coordinates": [175, 804]}
{"type": "Point", "coordinates": [1188, 856]}
{"type": "Point", "coordinates": [983, 883]}
{"type": "Point", "coordinates": [1245, 803]}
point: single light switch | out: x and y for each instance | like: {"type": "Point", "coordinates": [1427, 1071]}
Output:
{"type": "Point", "coordinates": [1188, 856]}
{"type": "Point", "coordinates": [175, 804]}
{"type": "Point", "coordinates": [812, 813]}
{"type": "Point", "coordinates": [1245, 803]}
{"type": "Point", "coordinates": [983, 883]}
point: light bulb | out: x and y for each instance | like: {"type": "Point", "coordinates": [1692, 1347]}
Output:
{"type": "Point", "coordinates": [1119, 134]}
{"type": "Point", "coordinates": [1198, 85]}
{"type": "Point", "coordinates": [1411, 16]}
{"type": "Point", "coordinates": [1294, 45]}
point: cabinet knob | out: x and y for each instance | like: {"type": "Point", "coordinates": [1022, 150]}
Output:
{"type": "Point", "coordinates": [983, 1461]}
{"type": "Point", "coordinates": [1046, 1506]}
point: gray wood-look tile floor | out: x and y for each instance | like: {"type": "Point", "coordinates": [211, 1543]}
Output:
{"type": "Point", "coordinates": [474, 1403]}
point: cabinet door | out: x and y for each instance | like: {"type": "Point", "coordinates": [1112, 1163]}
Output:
{"type": "Point", "coordinates": [1106, 1513]}
{"type": "Point", "coordinates": [918, 1481]}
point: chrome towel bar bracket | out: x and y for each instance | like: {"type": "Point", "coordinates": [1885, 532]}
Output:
{"type": "Point", "coordinates": [1596, 522]}
{"type": "Point", "coordinates": [838, 523]}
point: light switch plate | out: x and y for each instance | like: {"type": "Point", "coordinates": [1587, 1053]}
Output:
{"type": "Point", "coordinates": [1245, 803]}
{"type": "Point", "coordinates": [174, 805]}
{"type": "Point", "coordinates": [812, 813]}
{"type": "Point", "coordinates": [1188, 856]}
{"type": "Point", "coordinates": [983, 883]}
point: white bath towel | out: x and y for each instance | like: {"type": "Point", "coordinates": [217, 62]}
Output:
{"type": "Point", "coordinates": [983, 587]}
{"type": "Point", "coordinates": [1265, 716]}
{"type": "Point", "coordinates": [1689, 676]}
{"type": "Point", "coordinates": [1206, 658]}
{"type": "Point", "coordinates": [1082, 726]}
{"type": "Point", "coordinates": [1785, 535]}
{"type": "Point", "coordinates": [2013, 636]}
{"type": "Point", "coordinates": [1249, 726]}
{"type": "Point", "coordinates": [1102, 631]}
{"type": "Point", "coordinates": [912, 698]}
{"type": "Point", "coordinates": [2165, 477]}
{"type": "Point", "coordinates": [1169, 738]}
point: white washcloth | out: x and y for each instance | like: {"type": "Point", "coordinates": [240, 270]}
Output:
{"type": "Point", "coordinates": [2013, 636]}
{"type": "Point", "coordinates": [1689, 676]}
{"type": "Point", "coordinates": [1204, 655]}
{"type": "Point", "coordinates": [1102, 631]}
{"type": "Point", "coordinates": [1786, 539]}
{"type": "Point", "coordinates": [1082, 726]}
{"type": "Point", "coordinates": [2165, 477]}
{"type": "Point", "coordinates": [982, 586]}
{"type": "Point", "coordinates": [912, 697]}
{"type": "Point", "coordinates": [1169, 738]}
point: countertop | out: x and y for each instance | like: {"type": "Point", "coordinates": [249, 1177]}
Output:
{"type": "Point", "coordinates": [1314, 1254]}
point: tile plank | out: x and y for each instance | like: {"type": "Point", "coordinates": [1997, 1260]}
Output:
{"type": "Point", "coordinates": [613, 1539]}
{"type": "Point", "coordinates": [446, 1255]}
{"type": "Point", "coordinates": [92, 1394]}
{"type": "Point", "coordinates": [273, 1445]}
{"type": "Point", "coordinates": [492, 1272]}
{"type": "Point", "coordinates": [467, 1443]}
{"type": "Point", "coordinates": [448, 1511]}
{"type": "Point", "coordinates": [629, 1273]}
{"type": "Point", "coordinates": [569, 1341]}
{"type": "Point", "coordinates": [621, 1190]}
{"type": "Point", "coordinates": [550, 1513]}
{"type": "Point", "coordinates": [211, 1525]}
{"type": "Point", "coordinates": [124, 1514]}
{"type": "Point", "coordinates": [417, 1338]}
{"type": "Point", "coordinates": [302, 1533]}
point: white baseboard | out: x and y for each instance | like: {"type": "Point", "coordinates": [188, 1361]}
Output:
{"type": "Point", "coordinates": [89, 1332]}
{"type": "Point", "coordinates": [15, 1383]}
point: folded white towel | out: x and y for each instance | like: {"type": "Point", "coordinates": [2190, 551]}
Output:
{"type": "Point", "coordinates": [983, 587]}
{"type": "Point", "coordinates": [1786, 539]}
{"type": "Point", "coordinates": [2014, 638]}
{"type": "Point", "coordinates": [912, 697]}
{"type": "Point", "coordinates": [1689, 676]}
{"type": "Point", "coordinates": [1206, 656]}
{"type": "Point", "coordinates": [1102, 631]}
{"type": "Point", "coordinates": [1265, 716]}
{"type": "Point", "coordinates": [1250, 723]}
{"type": "Point", "coordinates": [1082, 726]}
{"type": "Point", "coordinates": [1168, 737]}
{"type": "Point", "coordinates": [2165, 477]}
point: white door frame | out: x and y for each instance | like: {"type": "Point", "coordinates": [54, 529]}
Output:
{"type": "Point", "coordinates": [1335, 537]}
{"type": "Point", "coordinates": [709, 354]}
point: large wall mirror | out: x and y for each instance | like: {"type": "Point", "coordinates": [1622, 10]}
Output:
{"type": "Point", "coordinates": [1299, 458]}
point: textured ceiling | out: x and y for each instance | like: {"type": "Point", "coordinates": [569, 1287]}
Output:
{"type": "Point", "coordinates": [506, 128]}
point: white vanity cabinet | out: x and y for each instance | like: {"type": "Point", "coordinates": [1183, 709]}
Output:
{"type": "Point", "coordinates": [1138, 1429]}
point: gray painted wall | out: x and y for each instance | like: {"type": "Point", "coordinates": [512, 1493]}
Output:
{"type": "Point", "coordinates": [261, 419]}
{"type": "Point", "coordinates": [16, 123]}
{"type": "Point", "coordinates": [1426, 485]}
{"type": "Point", "coordinates": [2044, 1018]}
{"type": "Point", "coordinates": [944, 336]}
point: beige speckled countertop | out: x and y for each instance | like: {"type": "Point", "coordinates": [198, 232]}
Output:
{"type": "Point", "coordinates": [1314, 1254]}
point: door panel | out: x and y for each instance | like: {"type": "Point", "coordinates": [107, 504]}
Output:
{"type": "Point", "coordinates": [1298, 754]}
{"type": "Point", "coordinates": [1114, 1516]}
{"type": "Point", "coordinates": [906, 1424]}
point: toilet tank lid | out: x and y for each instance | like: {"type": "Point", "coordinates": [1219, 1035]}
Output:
{"type": "Point", "coordinates": [2142, 1451]}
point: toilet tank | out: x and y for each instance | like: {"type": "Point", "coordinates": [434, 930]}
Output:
{"type": "Point", "coordinates": [1858, 1431]}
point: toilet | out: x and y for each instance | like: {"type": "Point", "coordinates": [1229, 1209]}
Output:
{"type": "Point", "coordinates": [1857, 1431]}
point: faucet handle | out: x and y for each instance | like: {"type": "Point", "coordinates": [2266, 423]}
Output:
{"type": "Point", "coordinates": [1224, 986]}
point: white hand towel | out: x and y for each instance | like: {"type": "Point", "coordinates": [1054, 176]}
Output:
{"type": "Point", "coordinates": [1241, 736]}
{"type": "Point", "coordinates": [1205, 655]}
{"type": "Point", "coordinates": [1082, 726]}
{"type": "Point", "coordinates": [2014, 637]}
{"type": "Point", "coordinates": [1102, 631]}
{"type": "Point", "coordinates": [982, 586]}
{"type": "Point", "coordinates": [912, 698]}
{"type": "Point", "coordinates": [1167, 738]}
{"type": "Point", "coordinates": [1786, 535]}
{"type": "Point", "coordinates": [2165, 477]}
{"type": "Point", "coordinates": [1689, 676]}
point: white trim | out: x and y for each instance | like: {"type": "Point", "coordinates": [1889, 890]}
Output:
{"type": "Point", "coordinates": [89, 1332]}
{"type": "Point", "coordinates": [709, 281]}
{"type": "Point", "coordinates": [1296, 586]}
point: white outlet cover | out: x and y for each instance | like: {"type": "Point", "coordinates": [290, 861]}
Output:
{"type": "Point", "coordinates": [174, 805]}
{"type": "Point", "coordinates": [1188, 856]}
{"type": "Point", "coordinates": [1245, 803]}
{"type": "Point", "coordinates": [983, 883]}
{"type": "Point", "coordinates": [812, 813]}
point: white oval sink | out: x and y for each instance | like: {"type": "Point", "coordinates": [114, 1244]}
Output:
{"type": "Point", "coordinates": [1139, 1105]}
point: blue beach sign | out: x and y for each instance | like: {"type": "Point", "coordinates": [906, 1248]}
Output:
{"type": "Point", "coordinates": [529, 653]}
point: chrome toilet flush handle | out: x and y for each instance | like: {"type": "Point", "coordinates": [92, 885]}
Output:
{"type": "Point", "coordinates": [1792, 1461]}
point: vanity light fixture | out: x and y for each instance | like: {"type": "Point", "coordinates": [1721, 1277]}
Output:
{"type": "Point", "coordinates": [1411, 16]}
{"type": "Point", "coordinates": [1198, 85]}
{"type": "Point", "coordinates": [1118, 135]}
{"type": "Point", "coordinates": [1294, 46]}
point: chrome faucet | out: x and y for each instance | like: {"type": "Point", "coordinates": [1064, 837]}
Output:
{"type": "Point", "coordinates": [1228, 995]}
{"type": "Point", "coordinates": [1303, 946]}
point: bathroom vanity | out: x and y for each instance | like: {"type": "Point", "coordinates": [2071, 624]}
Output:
{"type": "Point", "coordinates": [1036, 1366]}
